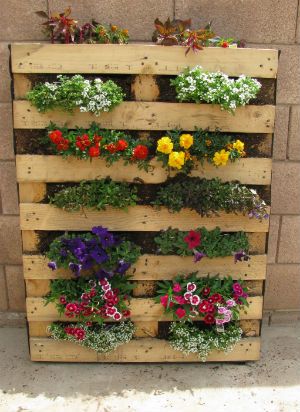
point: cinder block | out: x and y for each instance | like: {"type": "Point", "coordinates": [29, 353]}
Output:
{"type": "Point", "coordinates": [289, 245]}
{"type": "Point", "coordinates": [255, 21]}
{"type": "Point", "coordinates": [6, 135]}
{"type": "Point", "coordinates": [281, 132]}
{"type": "Point", "coordinates": [283, 287]}
{"type": "Point", "coordinates": [10, 240]}
{"type": "Point", "coordinates": [136, 16]}
{"type": "Point", "coordinates": [273, 238]}
{"type": "Point", "coordinates": [3, 292]}
{"type": "Point", "coordinates": [294, 134]}
{"type": "Point", "coordinates": [5, 90]}
{"type": "Point", "coordinates": [288, 84]}
{"type": "Point", "coordinates": [285, 188]}
{"type": "Point", "coordinates": [8, 188]}
{"type": "Point", "coordinates": [15, 288]}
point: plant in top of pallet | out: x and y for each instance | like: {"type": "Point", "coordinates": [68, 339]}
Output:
{"type": "Point", "coordinates": [217, 301]}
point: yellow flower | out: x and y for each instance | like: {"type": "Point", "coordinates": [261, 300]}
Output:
{"type": "Point", "coordinates": [208, 142]}
{"type": "Point", "coordinates": [176, 159]}
{"type": "Point", "coordinates": [238, 145]}
{"type": "Point", "coordinates": [186, 140]}
{"type": "Point", "coordinates": [221, 158]}
{"type": "Point", "coordinates": [187, 156]}
{"type": "Point", "coordinates": [164, 145]}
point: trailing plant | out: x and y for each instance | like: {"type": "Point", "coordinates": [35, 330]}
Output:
{"type": "Point", "coordinates": [198, 85]}
{"type": "Point", "coordinates": [203, 243]}
{"type": "Point", "coordinates": [67, 93]}
{"type": "Point", "coordinates": [60, 27]}
{"type": "Point", "coordinates": [101, 338]}
{"type": "Point", "coordinates": [217, 301]}
{"type": "Point", "coordinates": [91, 300]}
{"type": "Point", "coordinates": [207, 197]}
{"type": "Point", "coordinates": [95, 142]}
{"type": "Point", "coordinates": [188, 338]}
{"type": "Point", "coordinates": [180, 151]}
{"type": "Point", "coordinates": [99, 251]}
{"type": "Point", "coordinates": [179, 32]}
{"type": "Point", "coordinates": [96, 194]}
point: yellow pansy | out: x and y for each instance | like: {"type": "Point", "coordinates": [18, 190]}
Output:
{"type": "Point", "coordinates": [238, 145]}
{"type": "Point", "coordinates": [164, 145]}
{"type": "Point", "coordinates": [186, 141]}
{"type": "Point", "coordinates": [176, 159]}
{"type": "Point", "coordinates": [221, 158]}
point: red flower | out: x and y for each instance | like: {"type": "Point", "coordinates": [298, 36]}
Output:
{"type": "Point", "coordinates": [111, 311]}
{"type": "Point", "coordinates": [122, 145]}
{"type": "Point", "coordinates": [92, 293]}
{"type": "Point", "coordinates": [225, 44]}
{"type": "Point", "coordinates": [80, 145]}
{"type": "Point", "coordinates": [111, 148]}
{"type": "Point", "coordinates": [164, 300]}
{"type": "Point", "coordinates": [97, 138]}
{"type": "Point", "coordinates": [140, 152]}
{"type": "Point", "coordinates": [117, 316]}
{"type": "Point", "coordinates": [94, 151]}
{"type": "Point", "coordinates": [176, 287]}
{"type": "Point", "coordinates": [126, 313]}
{"type": "Point", "coordinates": [206, 291]}
{"type": "Point", "coordinates": [210, 308]}
{"type": "Point", "coordinates": [79, 333]}
{"type": "Point", "coordinates": [203, 307]}
{"type": "Point", "coordinates": [88, 323]}
{"type": "Point", "coordinates": [86, 140]}
{"type": "Point", "coordinates": [210, 300]}
{"type": "Point", "coordinates": [193, 239]}
{"type": "Point", "coordinates": [180, 300]}
{"type": "Point", "coordinates": [209, 319]}
{"type": "Point", "coordinates": [108, 295]}
{"type": "Point", "coordinates": [55, 136]}
{"type": "Point", "coordinates": [63, 300]}
{"type": "Point", "coordinates": [216, 297]}
{"type": "Point", "coordinates": [180, 313]}
{"type": "Point", "coordinates": [71, 307]}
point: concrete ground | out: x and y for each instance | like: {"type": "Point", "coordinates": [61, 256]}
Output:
{"type": "Point", "coordinates": [270, 385]}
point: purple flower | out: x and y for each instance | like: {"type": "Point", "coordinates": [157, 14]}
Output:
{"type": "Point", "coordinates": [52, 265]}
{"type": "Point", "coordinates": [106, 238]}
{"type": "Point", "coordinates": [63, 253]}
{"type": "Point", "coordinates": [198, 256]}
{"type": "Point", "coordinates": [98, 255]}
{"type": "Point", "coordinates": [122, 267]}
{"type": "Point", "coordinates": [104, 274]}
{"type": "Point", "coordinates": [240, 256]}
{"type": "Point", "coordinates": [75, 268]}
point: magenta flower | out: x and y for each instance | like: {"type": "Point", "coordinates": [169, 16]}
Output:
{"type": "Point", "coordinates": [198, 256]}
{"type": "Point", "coordinates": [176, 287]}
{"type": "Point", "coordinates": [237, 288]}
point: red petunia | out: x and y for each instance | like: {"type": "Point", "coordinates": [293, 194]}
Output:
{"type": "Point", "coordinates": [180, 313]}
{"type": "Point", "coordinates": [94, 151]}
{"type": "Point", "coordinates": [55, 136]}
{"type": "Point", "coordinates": [140, 152]}
{"type": "Point", "coordinates": [193, 239]}
{"type": "Point", "coordinates": [97, 138]}
{"type": "Point", "coordinates": [209, 319]}
{"type": "Point", "coordinates": [122, 145]}
{"type": "Point", "coordinates": [112, 148]}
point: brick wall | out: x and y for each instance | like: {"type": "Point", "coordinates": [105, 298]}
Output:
{"type": "Point", "coordinates": [268, 23]}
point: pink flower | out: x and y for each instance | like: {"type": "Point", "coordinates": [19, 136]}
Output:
{"type": "Point", "coordinates": [180, 313]}
{"type": "Point", "coordinates": [85, 296]}
{"type": "Point", "coordinates": [79, 334]}
{"type": "Point", "coordinates": [237, 288]}
{"type": "Point", "coordinates": [106, 287]}
{"type": "Point", "coordinates": [193, 239]}
{"type": "Point", "coordinates": [71, 307]}
{"type": "Point", "coordinates": [108, 295]}
{"type": "Point", "coordinates": [222, 310]}
{"type": "Point", "coordinates": [219, 321]}
{"type": "Point", "coordinates": [63, 300]}
{"type": "Point", "coordinates": [195, 300]}
{"type": "Point", "coordinates": [176, 287]}
{"type": "Point", "coordinates": [227, 318]}
{"type": "Point", "coordinates": [187, 296]}
{"type": "Point", "coordinates": [191, 287]}
{"type": "Point", "coordinates": [92, 293]}
{"type": "Point", "coordinates": [111, 311]}
{"type": "Point", "coordinates": [179, 299]}
{"type": "Point", "coordinates": [164, 300]}
{"type": "Point", "coordinates": [230, 303]}
{"type": "Point", "coordinates": [117, 316]}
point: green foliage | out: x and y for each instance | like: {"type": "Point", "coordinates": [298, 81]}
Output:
{"type": "Point", "coordinates": [208, 197]}
{"type": "Point", "coordinates": [67, 93]}
{"type": "Point", "coordinates": [214, 243]}
{"type": "Point", "coordinates": [97, 194]}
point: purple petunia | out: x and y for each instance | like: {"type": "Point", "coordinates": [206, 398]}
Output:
{"type": "Point", "coordinates": [198, 256]}
{"type": "Point", "coordinates": [122, 267]}
{"type": "Point", "coordinates": [75, 268]}
{"type": "Point", "coordinates": [104, 274]}
{"type": "Point", "coordinates": [106, 238]}
{"type": "Point", "coordinates": [240, 256]}
{"type": "Point", "coordinates": [52, 265]}
{"type": "Point", "coordinates": [99, 255]}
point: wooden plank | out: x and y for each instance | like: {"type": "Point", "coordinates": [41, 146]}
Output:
{"type": "Point", "coordinates": [258, 242]}
{"type": "Point", "coordinates": [139, 59]}
{"type": "Point", "coordinates": [38, 216]}
{"type": "Point", "coordinates": [37, 168]}
{"type": "Point", "coordinates": [251, 327]}
{"type": "Point", "coordinates": [137, 350]}
{"type": "Point", "coordinates": [155, 267]}
{"type": "Point", "coordinates": [30, 241]}
{"type": "Point", "coordinates": [154, 116]}
{"type": "Point", "coordinates": [32, 192]}
{"type": "Point", "coordinates": [142, 309]}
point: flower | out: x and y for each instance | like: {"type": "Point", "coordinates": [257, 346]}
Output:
{"type": "Point", "coordinates": [140, 152]}
{"type": "Point", "coordinates": [117, 316]}
{"type": "Point", "coordinates": [225, 44]}
{"type": "Point", "coordinates": [55, 136]}
{"type": "Point", "coordinates": [165, 145]}
{"type": "Point", "coordinates": [106, 238]}
{"type": "Point", "coordinates": [208, 142]}
{"type": "Point", "coordinates": [238, 145]}
{"type": "Point", "coordinates": [176, 287]}
{"type": "Point", "coordinates": [216, 297]}
{"type": "Point", "coordinates": [164, 300]}
{"type": "Point", "coordinates": [237, 288]}
{"type": "Point", "coordinates": [195, 300]}
{"type": "Point", "coordinates": [71, 307]}
{"type": "Point", "coordinates": [222, 310]}
{"type": "Point", "coordinates": [191, 287]}
{"type": "Point", "coordinates": [179, 299]}
{"type": "Point", "coordinates": [62, 300]}
{"type": "Point", "coordinates": [79, 334]}
{"type": "Point", "coordinates": [186, 141]}
{"type": "Point", "coordinates": [206, 291]}
{"type": "Point", "coordinates": [230, 303]}
{"type": "Point", "coordinates": [220, 321]}
{"type": "Point", "coordinates": [193, 239]}
{"type": "Point", "coordinates": [221, 158]}
{"type": "Point", "coordinates": [112, 148]}
{"type": "Point", "coordinates": [209, 319]}
{"type": "Point", "coordinates": [198, 256]}
{"type": "Point", "coordinates": [126, 313]}
{"type": "Point", "coordinates": [94, 151]}
{"type": "Point", "coordinates": [122, 267]}
{"type": "Point", "coordinates": [176, 159]}
{"type": "Point", "coordinates": [187, 296]}
{"type": "Point", "coordinates": [122, 145]}
{"type": "Point", "coordinates": [180, 313]}
{"type": "Point", "coordinates": [240, 256]}
{"type": "Point", "coordinates": [203, 307]}
{"type": "Point", "coordinates": [75, 268]}
{"type": "Point", "coordinates": [52, 265]}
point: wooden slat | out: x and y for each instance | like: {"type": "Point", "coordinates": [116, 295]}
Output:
{"type": "Point", "coordinates": [137, 350]}
{"type": "Point", "coordinates": [154, 116]}
{"type": "Point", "coordinates": [154, 267]}
{"type": "Point", "coordinates": [139, 59]}
{"type": "Point", "coordinates": [38, 216]}
{"type": "Point", "coordinates": [30, 241]}
{"type": "Point", "coordinates": [36, 168]}
{"type": "Point", "coordinates": [142, 309]}
{"type": "Point", "coordinates": [143, 329]}
{"type": "Point", "coordinates": [32, 192]}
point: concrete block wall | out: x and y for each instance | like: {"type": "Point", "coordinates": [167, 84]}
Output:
{"type": "Point", "coordinates": [269, 24]}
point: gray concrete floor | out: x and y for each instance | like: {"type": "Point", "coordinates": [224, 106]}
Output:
{"type": "Point", "coordinates": [271, 385]}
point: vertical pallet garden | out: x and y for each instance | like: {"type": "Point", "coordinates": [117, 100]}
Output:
{"type": "Point", "coordinates": [145, 66]}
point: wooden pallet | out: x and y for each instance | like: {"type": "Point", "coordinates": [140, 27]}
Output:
{"type": "Point", "coordinates": [144, 62]}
